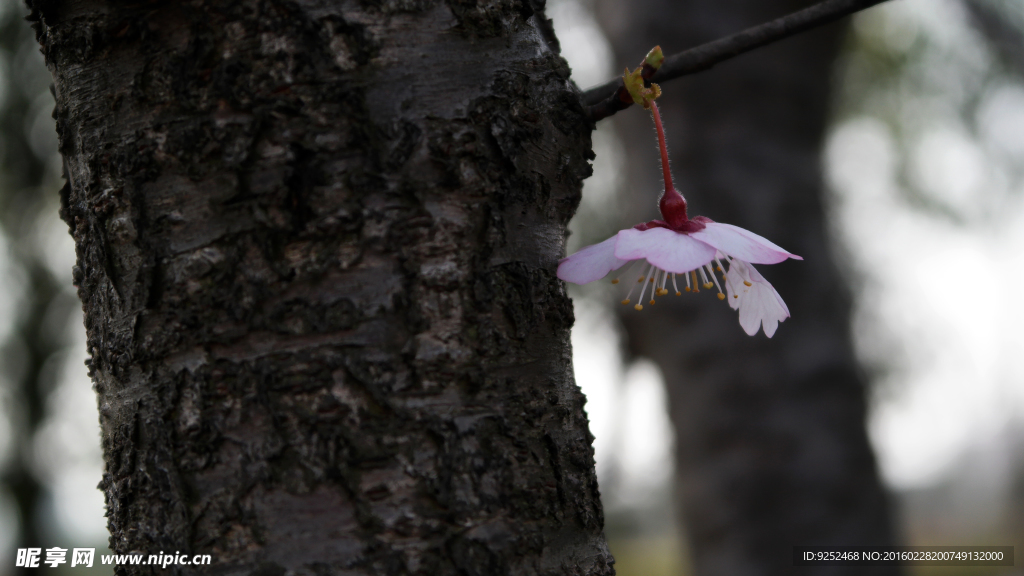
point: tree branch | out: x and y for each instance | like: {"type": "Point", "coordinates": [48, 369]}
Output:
{"type": "Point", "coordinates": [610, 97]}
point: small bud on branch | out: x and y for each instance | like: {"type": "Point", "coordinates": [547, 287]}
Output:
{"type": "Point", "coordinates": [634, 81]}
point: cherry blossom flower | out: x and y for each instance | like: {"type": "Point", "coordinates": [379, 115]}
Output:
{"type": "Point", "coordinates": [695, 248]}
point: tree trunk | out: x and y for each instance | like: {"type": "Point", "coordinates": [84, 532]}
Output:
{"type": "Point", "coordinates": [316, 251]}
{"type": "Point", "coordinates": [771, 444]}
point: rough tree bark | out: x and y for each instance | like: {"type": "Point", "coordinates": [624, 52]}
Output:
{"type": "Point", "coordinates": [316, 249]}
{"type": "Point", "coordinates": [771, 445]}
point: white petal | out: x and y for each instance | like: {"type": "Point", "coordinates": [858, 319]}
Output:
{"type": "Point", "coordinates": [756, 277]}
{"type": "Point", "coordinates": [773, 309]}
{"type": "Point", "coordinates": [759, 304]}
{"type": "Point", "coordinates": [780, 303]}
{"type": "Point", "coordinates": [735, 289]}
{"type": "Point", "coordinates": [742, 244]}
{"type": "Point", "coordinates": [668, 250]}
{"type": "Point", "coordinates": [591, 263]}
{"type": "Point", "coordinates": [750, 319]}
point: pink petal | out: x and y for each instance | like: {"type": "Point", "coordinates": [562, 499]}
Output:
{"type": "Point", "coordinates": [668, 250]}
{"type": "Point", "coordinates": [742, 244]}
{"type": "Point", "coordinates": [591, 263]}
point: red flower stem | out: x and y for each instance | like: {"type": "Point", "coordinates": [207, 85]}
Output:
{"type": "Point", "coordinates": [663, 147]}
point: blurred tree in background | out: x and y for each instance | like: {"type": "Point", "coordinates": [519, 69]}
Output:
{"type": "Point", "coordinates": [771, 446]}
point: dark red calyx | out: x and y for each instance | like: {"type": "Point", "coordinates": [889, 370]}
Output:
{"type": "Point", "coordinates": [652, 224]}
{"type": "Point", "coordinates": [673, 208]}
{"type": "Point", "coordinates": [693, 225]}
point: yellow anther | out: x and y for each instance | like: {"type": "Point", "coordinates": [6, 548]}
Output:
{"type": "Point", "coordinates": [688, 289]}
{"type": "Point", "coordinates": [615, 281]}
{"type": "Point", "coordinates": [652, 301]}
{"type": "Point", "coordinates": [638, 307]}
{"type": "Point", "coordinates": [719, 268]}
{"type": "Point", "coordinates": [735, 295]}
{"type": "Point", "coordinates": [721, 296]}
{"type": "Point", "coordinates": [747, 283]}
{"type": "Point", "coordinates": [652, 279]}
{"type": "Point", "coordinates": [679, 293]}
{"type": "Point", "coordinates": [708, 285]}
{"type": "Point", "coordinates": [662, 291]}
{"type": "Point", "coordinates": [641, 279]}
{"type": "Point", "coordinates": [626, 301]}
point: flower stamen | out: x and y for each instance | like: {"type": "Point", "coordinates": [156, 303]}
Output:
{"type": "Point", "coordinates": [639, 306]}
{"type": "Point", "coordinates": [664, 278]}
{"type": "Point", "coordinates": [720, 268]}
{"type": "Point", "coordinates": [631, 288]}
{"type": "Point", "coordinates": [674, 285]}
{"type": "Point", "coordinates": [721, 296]}
{"type": "Point", "coordinates": [707, 285]}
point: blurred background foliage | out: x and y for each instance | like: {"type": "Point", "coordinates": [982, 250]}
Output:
{"type": "Point", "coordinates": [926, 163]}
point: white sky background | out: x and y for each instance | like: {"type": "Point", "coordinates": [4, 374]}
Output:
{"type": "Point", "coordinates": [66, 449]}
{"type": "Point", "coordinates": [10, 290]}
